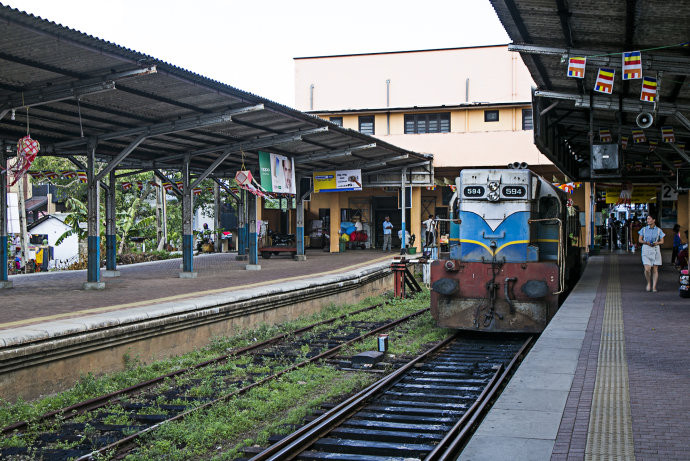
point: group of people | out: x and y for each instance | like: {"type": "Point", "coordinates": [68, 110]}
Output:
{"type": "Point", "coordinates": [429, 231]}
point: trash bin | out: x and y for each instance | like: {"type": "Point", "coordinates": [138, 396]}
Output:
{"type": "Point", "coordinates": [411, 250]}
{"type": "Point", "coordinates": [342, 246]}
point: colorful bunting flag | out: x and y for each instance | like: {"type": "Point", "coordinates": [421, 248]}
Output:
{"type": "Point", "coordinates": [83, 177]}
{"type": "Point", "coordinates": [139, 185]}
{"type": "Point", "coordinates": [657, 166]}
{"type": "Point", "coordinates": [624, 142]}
{"type": "Point", "coordinates": [126, 185]}
{"type": "Point", "coordinates": [68, 174]}
{"type": "Point", "coordinates": [196, 191]}
{"type": "Point", "coordinates": [36, 174]}
{"type": "Point", "coordinates": [576, 67]}
{"type": "Point", "coordinates": [667, 134]}
{"type": "Point", "coordinates": [648, 89]}
{"type": "Point", "coordinates": [605, 136]}
{"type": "Point", "coordinates": [431, 187]}
{"type": "Point", "coordinates": [50, 174]}
{"type": "Point", "coordinates": [604, 83]}
{"type": "Point", "coordinates": [652, 144]}
{"type": "Point", "coordinates": [632, 65]}
{"type": "Point", "coordinates": [179, 184]}
{"type": "Point", "coordinates": [154, 183]}
{"type": "Point", "coordinates": [681, 146]}
{"type": "Point", "coordinates": [167, 186]}
{"type": "Point", "coordinates": [638, 136]}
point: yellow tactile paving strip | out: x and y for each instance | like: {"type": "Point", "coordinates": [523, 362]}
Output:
{"type": "Point", "coordinates": [610, 435]}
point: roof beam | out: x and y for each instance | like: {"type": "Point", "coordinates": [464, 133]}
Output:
{"type": "Point", "coordinates": [184, 124]}
{"type": "Point", "coordinates": [120, 157]}
{"type": "Point", "coordinates": [227, 189]}
{"type": "Point", "coordinates": [384, 161]}
{"type": "Point", "coordinates": [318, 157]}
{"type": "Point", "coordinates": [564, 14]}
{"type": "Point", "coordinates": [249, 145]}
{"type": "Point", "coordinates": [676, 64]}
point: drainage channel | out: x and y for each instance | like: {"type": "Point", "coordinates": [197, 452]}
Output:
{"type": "Point", "coordinates": [423, 410]}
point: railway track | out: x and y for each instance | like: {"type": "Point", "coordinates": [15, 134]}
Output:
{"type": "Point", "coordinates": [424, 410]}
{"type": "Point", "coordinates": [113, 423]}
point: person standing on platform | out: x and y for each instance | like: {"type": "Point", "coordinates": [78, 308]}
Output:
{"type": "Point", "coordinates": [387, 226]}
{"type": "Point", "coordinates": [677, 242]}
{"type": "Point", "coordinates": [651, 238]}
{"type": "Point", "coordinates": [429, 227]}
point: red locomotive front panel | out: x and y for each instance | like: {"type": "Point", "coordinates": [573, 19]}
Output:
{"type": "Point", "coordinates": [508, 297]}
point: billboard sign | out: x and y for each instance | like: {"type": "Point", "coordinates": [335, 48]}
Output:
{"type": "Point", "coordinates": [277, 173]}
{"type": "Point", "coordinates": [337, 180]}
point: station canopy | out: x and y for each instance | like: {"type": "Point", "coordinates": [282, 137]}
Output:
{"type": "Point", "coordinates": [143, 113]}
{"type": "Point", "coordinates": [571, 118]}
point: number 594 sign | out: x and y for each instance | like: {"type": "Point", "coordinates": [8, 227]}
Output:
{"type": "Point", "coordinates": [668, 193]}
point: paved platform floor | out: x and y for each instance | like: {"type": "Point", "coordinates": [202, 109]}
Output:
{"type": "Point", "coordinates": [58, 295]}
{"type": "Point", "coordinates": [608, 379]}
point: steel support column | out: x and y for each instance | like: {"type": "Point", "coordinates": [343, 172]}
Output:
{"type": "Point", "coordinates": [187, 231]}
{"type": "Point", "coordinates": [242, 226]}
{"type": "Point", "coordinates": [216, 217]}
{"type": "Point", "coordinates": [93, 267]}
{"type": "Point", "coordinates": [253, 240]}
{"type": "Point", "coordinates": [110, 229]}
{"type": "Point", "coordinates": [4, 282]}
{"type": "Point", "coordinates": [299, 225]}
{"type": "Point", "coordinates": [403, 205]}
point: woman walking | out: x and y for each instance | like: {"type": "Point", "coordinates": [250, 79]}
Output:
{"type": "Point", "coordinates": [651, 238]}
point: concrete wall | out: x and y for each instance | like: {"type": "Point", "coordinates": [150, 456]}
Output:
{"type": "Point", "coordinates": [417, 78]}
{"type": "Point", "coordinates": [79, 357]}
{"type": "Point", "coordinates": [54, 228]}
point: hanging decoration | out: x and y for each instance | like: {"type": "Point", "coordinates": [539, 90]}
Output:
{"type": "Point", "coordinates": [126, 185]}
{"type": "Point", "coordinates": [624, 142]}
{"type": "Point", "coordinates": [605, 136]}
{"type": "Point", "coordinates": [37, 174]}
{"type": "Point", "coordinates": [83, 177]}
{"type": "Point", "coordinates": [568, 187]}
{"type": "Point", "coordinates": [167, 186]}
{"type": "Point", "coordinates": [652, 145]}
{"type": "Point", "coordinates": [638, 136]}
{"type": "Point", "coordinates": [681, 146]}
{"type": "Point", "coordinates": [632, 65]}
{"type": "Point", "coordinates": [27, 149]}
{"type": "Point", "coordinates": [648, 89]}
{"type": "Point", "coordinates": [576, 67]}
{"type": "Point", "coordinates": [657, 166]}
{"type": "Point", "coordinates": [68, 174]}
{"type": "Point", "coordinates": [50, 174]}
{"type": "Point", "coordinates": [625, 197]}
{"type": "Point", "coordinates": [196, 191]}
{"type": "Point", "coordinates": [604, 83]}
{"type": "Point", "coordinates": [667, 134]}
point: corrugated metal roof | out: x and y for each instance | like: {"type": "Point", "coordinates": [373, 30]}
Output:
{"type": "Point", "coordinates": [177, 111]}
{"type": "Point", "coordinates": [547, 33]}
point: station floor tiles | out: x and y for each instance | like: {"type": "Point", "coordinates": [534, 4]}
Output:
{"type": "Point", "coordinates": [59, 295]}
{"type": "Point", "coordinates": [609, 379]}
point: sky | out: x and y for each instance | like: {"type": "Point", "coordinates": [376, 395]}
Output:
{"type": "Point", "coordinates": [251, 44]}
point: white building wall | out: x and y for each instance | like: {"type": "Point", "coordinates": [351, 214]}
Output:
{"type": "Point", "coordinates": [54, 228]}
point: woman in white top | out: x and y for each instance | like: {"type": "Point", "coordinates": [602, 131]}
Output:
{"type": "Point", "coordinates": [651, 238]}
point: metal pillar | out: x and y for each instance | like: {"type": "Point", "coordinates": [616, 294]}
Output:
{"type": "Point", "coordinates": [299, 227]}
{"type": "Point", "coordinates": [403, 205]}
{"type": "Point", "coordinates": [110, 230]}
{"type": "Point", "coordinates": [93, 267]}
{"type": "Point", "coordinates": [216, 217]}
{"type": "Point", "coordinates": [253, 240]}
{"type": "Point", "coordinates": [187, 231]}
{"type": "Point", "coordinates": [242, 226]}
{"type": "Point", "coordinates": [4, 282]}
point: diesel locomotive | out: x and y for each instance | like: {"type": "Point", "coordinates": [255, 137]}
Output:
{"type": "Point", "coordinates": [510, 261]}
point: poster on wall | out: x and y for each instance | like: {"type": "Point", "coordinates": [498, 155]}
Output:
{"type": "Point", "coordinates": [337, 180]}
{"type": "Point", "coordinates": [640, 194]}
{"type": "Point", "coordinates": [277, 173]}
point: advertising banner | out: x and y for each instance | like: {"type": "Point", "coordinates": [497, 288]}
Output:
{"type": "Point", "coordinates": [277, 173]}
{"type": "Point", "coordinates": [640, 194]}
{"type": "Point", "coordinates": [337, 180]}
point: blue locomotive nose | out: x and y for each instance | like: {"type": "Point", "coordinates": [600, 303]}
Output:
{"type": "Point", "coordinates": [509, 242]}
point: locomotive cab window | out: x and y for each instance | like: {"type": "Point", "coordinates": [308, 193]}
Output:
{"type": "Point", "coordinates": [548, 207]}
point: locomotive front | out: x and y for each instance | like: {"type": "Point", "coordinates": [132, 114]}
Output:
{"type": "Point", "coordinates": [505, 270]}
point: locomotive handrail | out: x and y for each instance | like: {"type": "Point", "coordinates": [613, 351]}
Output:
{"type": "Point", "coordinates": [561, 264]}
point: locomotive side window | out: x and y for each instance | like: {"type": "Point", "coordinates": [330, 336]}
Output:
{"type": "Point", "coordinates": [548, 207]}
{"type": "Point", "coordinates": [473, 191]}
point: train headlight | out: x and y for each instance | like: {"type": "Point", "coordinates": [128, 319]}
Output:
{"type": "Point", "coordinates": [493, 185]}
{"type": "Point", "coordinates": [493, 196]}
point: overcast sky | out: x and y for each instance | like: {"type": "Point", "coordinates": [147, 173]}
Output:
{"type": "Point", "coordinates": [250, 44]}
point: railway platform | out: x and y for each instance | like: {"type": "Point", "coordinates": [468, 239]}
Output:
{"type": "Point", "coordinates": [52, 331]}
{"type": "Point", "coordinates": [608, 379]}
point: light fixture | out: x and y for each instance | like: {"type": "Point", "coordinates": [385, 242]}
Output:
{"type": "Point", "coordinates": [493, 185]}
{"type": "Point", "coordinates": [493, 196]}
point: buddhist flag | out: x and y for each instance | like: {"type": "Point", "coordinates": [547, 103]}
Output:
{"type": "Point", "coordinates": [604, 83]}
{"type": "Point", "coordinates": [154, 183]}
{"type": "Point", "coordinates": [638, 136]}
{"type": "Point", "coordinates": [196, 191]}
{"type": "Point", "coordinates": [657, 166]}
{"type": "Point", "coordinates": [605, 135]}
{"type": "Point", "coordinates": [126, 185]}
{"type": "Point", "coordinates": [648, 89]}
{"type": "Point", "coordinates": [167, 186]}
{"type": "Point", "coordinates": [624, 142]}
{"type": "Point", "coordinates": [139, 185]}
{"type": "Point", "coordinates": [652, 144]}
{"type": "Point", "coordinates": [83, 177]}
{"type": "Point", "coordinates": [576, 67]}
{"type": "Point", "coordinates": [681, 146]}
{"type": "Point", "coordinates": [50, 174]}
{"type": "Point", "coordinates": [179, 184]}
{"type": "Point", "coordinates": [36, 174]}
{"type": "Point", "coordinates": [667, 134]}
{"type": "Point", "coordinates": [632, 65]}
{"type": "Point", "coordinates": [68, 174]}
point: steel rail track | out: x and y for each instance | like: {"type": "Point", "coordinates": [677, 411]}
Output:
{"type": "Point", "coordinates": [120, 447]}
{"type": "Point", "coordinates": [106, 399]}
{"type": "Point", "coordinates": [295, 444]}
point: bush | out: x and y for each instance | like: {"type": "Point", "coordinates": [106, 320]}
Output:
{"type": "Point", "coordinates": [132, 258]}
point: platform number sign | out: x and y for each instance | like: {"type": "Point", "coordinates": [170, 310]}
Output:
{"type": "Point", "coordinates": [668, 193]}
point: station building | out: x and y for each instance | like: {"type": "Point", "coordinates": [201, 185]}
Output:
{"type": "Point", "coordinates": [468, 107]}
